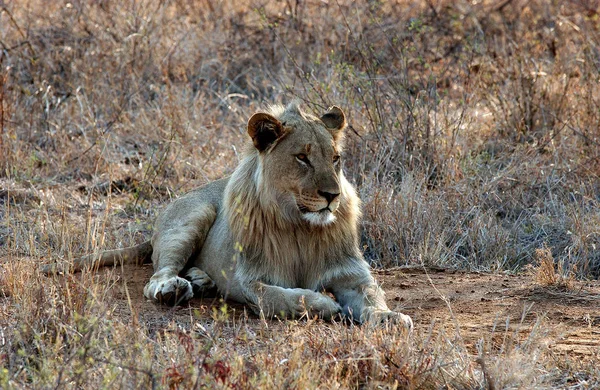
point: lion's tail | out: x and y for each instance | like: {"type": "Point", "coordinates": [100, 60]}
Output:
{"type": "Point", "coordinates": [138, 254]}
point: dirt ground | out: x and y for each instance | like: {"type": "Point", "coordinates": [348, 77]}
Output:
{"type": "Point", "coordinates": [490, 306]}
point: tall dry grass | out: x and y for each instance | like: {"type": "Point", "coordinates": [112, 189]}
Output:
{"type": "Point", "coordinates": [473, 140]}
{"type": "Point", "coordinates": [485, 115]}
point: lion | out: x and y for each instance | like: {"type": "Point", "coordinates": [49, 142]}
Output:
{"type": "Point", "coordinates": [279, 235]}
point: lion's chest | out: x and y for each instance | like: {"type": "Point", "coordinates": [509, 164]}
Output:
{"type": "Point", "coordinates": [290, 261]}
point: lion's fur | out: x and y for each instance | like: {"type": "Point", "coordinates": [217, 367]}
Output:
{"type": "Point", "coordinates": [278, 232]}
{"type": "Point", "coordinates": [137, 254]}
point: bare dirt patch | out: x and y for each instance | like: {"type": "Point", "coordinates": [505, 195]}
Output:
{"type": "Point", "coordinates": [473, 306]}
{"type": "Point", "coordinates": [507, 305]}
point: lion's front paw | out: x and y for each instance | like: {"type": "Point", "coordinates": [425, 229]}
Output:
{"type": "Point", "coordinates": [169, 290]}
{"type": "Point", "coordinates": [377, 317]}
{"type": "Point", "coordinates": [200, 280]}
{"type": "Point", "coordinates": [318, 304]}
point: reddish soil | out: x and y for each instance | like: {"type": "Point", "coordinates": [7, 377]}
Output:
{"type": "Point", "coordinates": [483, 305]}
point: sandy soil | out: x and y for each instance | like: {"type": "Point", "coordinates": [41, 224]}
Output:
{"type": "Point", "coordinates": [490, 306]}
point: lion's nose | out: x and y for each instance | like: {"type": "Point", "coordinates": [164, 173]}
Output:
{"type": "Point", "coordinates": [328, 195]}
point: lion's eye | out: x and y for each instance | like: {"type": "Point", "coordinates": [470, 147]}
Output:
{"type": "Point", "coordinates": [336, 159]}
{"type": "Point", "coordinates": [302, 158]}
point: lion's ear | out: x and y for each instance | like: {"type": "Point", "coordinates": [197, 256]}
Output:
{"type": "Point", "coordinates": [335, 120]}
{"type": "Point", "coordinates": [264, 129]}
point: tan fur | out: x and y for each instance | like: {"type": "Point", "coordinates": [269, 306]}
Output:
{"type": "Point", "coordinates": [138, 254]}
{"type": "Point", "coordinates": [277, 234]}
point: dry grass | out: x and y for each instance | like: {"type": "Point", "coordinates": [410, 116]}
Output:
{"type": "Point", "coordinates": [474, 140]}
{"type": "Point", "coordinates": [74, 336]}
{"type": "Point", "coordinates": [546, 275]}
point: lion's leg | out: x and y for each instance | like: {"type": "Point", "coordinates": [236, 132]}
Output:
{"type": "Point", "coordinates": [366, 304]}
{"type": "Point", "coordinates": [289, 302]}
{"type": "Point", "coordinates": [363, 300]}
{"type": "Point", "coordinates": [178, 235]}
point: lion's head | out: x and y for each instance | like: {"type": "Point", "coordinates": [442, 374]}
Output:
{"type": "Point", "coordinates": [299, 162]}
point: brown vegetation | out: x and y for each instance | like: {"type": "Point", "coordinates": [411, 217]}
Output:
{"type": "Point", "coordinates": [474, 142]}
